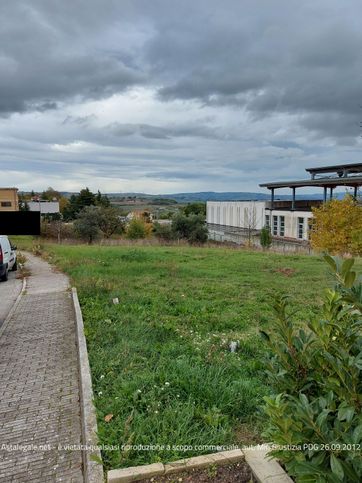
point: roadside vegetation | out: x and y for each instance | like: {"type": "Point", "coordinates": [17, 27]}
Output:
{"type": "Point", "coordinates": [337, 227]}
{"type": "Point", "coordinates": [91, 217]}
{"type": "Point", "coordinates": [316, 374]}
{"type": "Point", "coordinates": [162, 366]}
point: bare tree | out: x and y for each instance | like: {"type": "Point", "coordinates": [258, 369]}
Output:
{"type": "Point", "coordinates": [250, 222]}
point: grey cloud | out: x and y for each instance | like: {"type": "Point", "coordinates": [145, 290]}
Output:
{"type": "Point", "coordinates": [179, 175]}
{"type": "Point", "coordinates": [205, 84]}
{"type": "Point", "coordinates": [161, 132]}
{"type": "Point", "coordinates": [46, 106]}
{"type": "Point", "coordinates": [268, 58]}
{"type": "Point", "coordinates": [303, 59]}
{"type": "Point", "coordinates": [51, 52]}
{"type": "Point", "coordinates": [79, 120]}
{"type": "Point", "coordinates": [346, 128]}
{"type": "Point", "coordinates": [90, 78]}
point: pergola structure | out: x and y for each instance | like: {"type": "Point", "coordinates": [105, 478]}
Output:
{"type": "Point", "coordinates": [327, 177]}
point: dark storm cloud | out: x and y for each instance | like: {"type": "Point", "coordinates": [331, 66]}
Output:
{"type": "Point", "coordinates": [268, 57]}
{"type": "Point", "coordinates": [55, 50]}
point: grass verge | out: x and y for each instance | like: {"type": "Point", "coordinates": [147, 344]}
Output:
{"type": "Point", "coordinates": [162, 370]}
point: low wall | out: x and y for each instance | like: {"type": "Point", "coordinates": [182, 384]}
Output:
{"type": "Point", "coordinates": [245, 237]}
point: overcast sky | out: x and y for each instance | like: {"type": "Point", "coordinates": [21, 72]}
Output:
{"type": "Point", "coordinates": [164, 96]}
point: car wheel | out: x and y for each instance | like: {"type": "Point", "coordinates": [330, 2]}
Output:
{"type": "Point", "coordinates": [15, 267]}
{"type": "Point", "coordinates": [5, 276]}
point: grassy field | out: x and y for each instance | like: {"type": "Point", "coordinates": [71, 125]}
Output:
{"type": "Point", "coordinates": [160, 359]}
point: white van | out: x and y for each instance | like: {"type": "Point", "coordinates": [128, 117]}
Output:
{"type": "Point", "coordinates": [7, 258]}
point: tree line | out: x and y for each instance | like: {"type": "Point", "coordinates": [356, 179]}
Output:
{"type": "Point", "coordinates": [90, 216]}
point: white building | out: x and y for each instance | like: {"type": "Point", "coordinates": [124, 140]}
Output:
{"type": "Point", "coordinates": [237, 221]}
{"type": "Point", "coordinates": [45, 207]}
{"type": "Point", "coordinates": [289, 221]}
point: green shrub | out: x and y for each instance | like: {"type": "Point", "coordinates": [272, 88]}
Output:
{"type": "Point", "coordinates": [265, 237]}
{"type": "Point", "coordinates": [316, 417]}
{"type": "Point", "coordinates": [163, 232]}
{"type": "Point", "coordinates": [191, 228]}
{"type": "Point", "coordinates": [137, 229]}
{"type": "Point", "coordinates": [196, 208]}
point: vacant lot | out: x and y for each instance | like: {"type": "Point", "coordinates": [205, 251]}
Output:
{"type": "Point", "coordinates": [161, 365]}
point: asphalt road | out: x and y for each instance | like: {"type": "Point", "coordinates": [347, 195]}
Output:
{"type": "Point", "coordinates": [9, 292]}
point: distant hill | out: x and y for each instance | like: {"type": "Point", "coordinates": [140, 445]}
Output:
{"type": "Point", "coordinates": [214, 196]}
{"type": "Point", "coordinates": [239, 196]}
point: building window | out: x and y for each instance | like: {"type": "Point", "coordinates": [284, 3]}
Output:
{"type": "Point", "coordinates": [281, 225]}
{"type": "Point", "coordinates": [275, 225]}
{"type": "Point", "coordinates": [5, 204]}
{"type": "Point", "coordinates": [310, 226]}
{"type": "Point", "coordinates": [267, 221]}
{"type": "Point", "coordinates": [300, 227]}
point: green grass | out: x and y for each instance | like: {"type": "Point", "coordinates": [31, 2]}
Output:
{"type": "Point", "coordinates": [160, 360]}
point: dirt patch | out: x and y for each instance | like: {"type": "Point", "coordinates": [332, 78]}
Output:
{"type": "Point", "coordinates": [288, 272]}
{"type": "Point", "coordinates": [247, 434]}
{"type": "Point", "coordinates": [234, 473]}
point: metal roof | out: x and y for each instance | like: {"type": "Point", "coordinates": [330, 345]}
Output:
{"type": "Point", "coordinates": [350, 168]}
{"type": "Point", "coordinates": [322, 182]}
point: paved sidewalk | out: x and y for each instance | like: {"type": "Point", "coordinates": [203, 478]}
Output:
{"type": "Point", "coordinates": [9, 292]}
{"type": "Point", "coordinates": [39, 384]}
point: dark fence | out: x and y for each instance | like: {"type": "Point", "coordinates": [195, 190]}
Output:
{"type": "Point", "coordinates": [19, 222]}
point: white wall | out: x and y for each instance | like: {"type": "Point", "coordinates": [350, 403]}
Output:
{"type": "Point", "coordinates": [291, 223]}
{"type": "Point", "coordinates": [251, 214]}
{"type": "Point", "coordinates": [241, 214]}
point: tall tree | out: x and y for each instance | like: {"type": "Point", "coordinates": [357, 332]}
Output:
{"type": "Point", "coordinates": [77, 203]}
{"type": "Point", "coordinates": [86, 198]}
{"type": "Point", "coordinates": [102, 200]}
{"type": "Point", "coordinates": [109, 221]}
{"type": "Point", "coordinates": [337, 227]}
{"type": "Point", "coordinates": [87, 224]}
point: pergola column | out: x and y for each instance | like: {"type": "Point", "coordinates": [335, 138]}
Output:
{"type": "Point", "coordinates": [324, 193]}
{"type": "Point", "coordinates": [355, 192]}
{"type": "Point", "coordinates": [293, 198]}
{"type": "Point", "coordinates": [331, 193]}
{"type": "Point", "coordinates": [272, 199]}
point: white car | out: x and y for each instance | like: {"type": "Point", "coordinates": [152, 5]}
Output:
{"type": "Point", "coordinates": [7, 257]}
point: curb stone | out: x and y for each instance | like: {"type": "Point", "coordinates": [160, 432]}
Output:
{"type": "Point", "coordinates": [222, 458]}
{"type": "Point", "coordinates": [263, 470]}
{"type": "Point", "coordinates": [135, 473]}
{"type": "Point", "coordinates": [93, 470]}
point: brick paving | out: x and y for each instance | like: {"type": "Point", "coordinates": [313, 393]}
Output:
{"type": "Point", "coordinates": [9, 292]}
{"type": "Point", "coordinates": [39, 384]}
